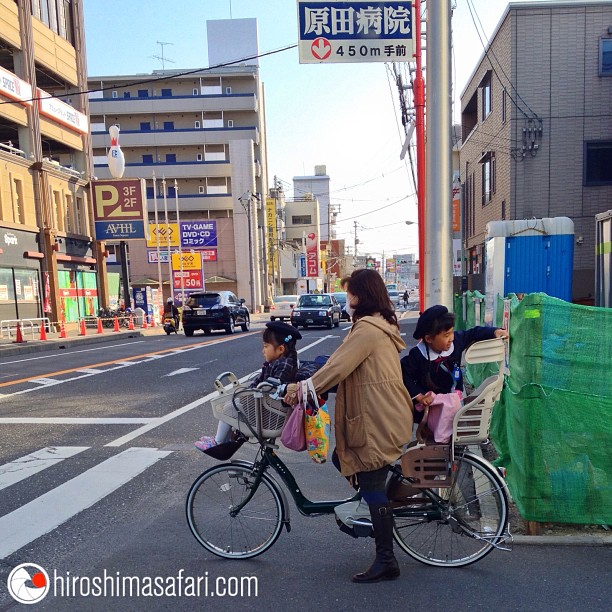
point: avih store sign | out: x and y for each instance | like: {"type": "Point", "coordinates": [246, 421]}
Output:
{"type": "Point", "coordinates": [119, 209]}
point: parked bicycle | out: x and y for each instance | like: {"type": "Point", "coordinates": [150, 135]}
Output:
{"type": "Point", "coordinates": [450, 505]}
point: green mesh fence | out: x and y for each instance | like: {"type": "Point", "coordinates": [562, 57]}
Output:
{"type": "Point", "coordinates": [552, 427]}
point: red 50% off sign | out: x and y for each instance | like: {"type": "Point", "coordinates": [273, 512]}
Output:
{"type": "Point", "coordinates": [192, 279]}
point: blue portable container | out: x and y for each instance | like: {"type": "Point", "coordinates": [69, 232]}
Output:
{"type": "Point", "coordinates": [528, 256]}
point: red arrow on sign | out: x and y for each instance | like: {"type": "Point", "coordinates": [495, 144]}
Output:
{"type": "Point", "coordinates": [321, 48]}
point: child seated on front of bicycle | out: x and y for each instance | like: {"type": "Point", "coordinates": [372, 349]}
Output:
{"type": "Point", "coordinates": [433, 366]}
{"type": "Point", "coordinates": [281, 363]}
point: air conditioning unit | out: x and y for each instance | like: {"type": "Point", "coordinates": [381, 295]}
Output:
{"type": "Point", "coordinates": [230, 123]}
{"type": "Point", "coordinates": [228, 91]}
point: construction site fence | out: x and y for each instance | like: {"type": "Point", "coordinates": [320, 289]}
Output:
{"type": "Point", "coordinates": [552, 427]}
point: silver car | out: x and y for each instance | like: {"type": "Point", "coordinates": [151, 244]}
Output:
{"type": "Point", "coordinates": [282, 307]}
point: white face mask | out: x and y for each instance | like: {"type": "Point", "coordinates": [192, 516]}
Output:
{"type": "Point", "coordinates": [349, 309]}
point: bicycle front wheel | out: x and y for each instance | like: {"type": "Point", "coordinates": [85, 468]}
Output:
{"type": "Point", "coordinates": [211, 515]}
{"type": "Point", "coordinates": [473, 516]}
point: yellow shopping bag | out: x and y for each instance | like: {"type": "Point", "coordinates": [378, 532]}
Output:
{"type": "Point", "coordinates": [316, 425]}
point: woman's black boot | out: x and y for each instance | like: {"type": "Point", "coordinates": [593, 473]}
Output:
{"type": "Point", "coordinates": [385, 565]}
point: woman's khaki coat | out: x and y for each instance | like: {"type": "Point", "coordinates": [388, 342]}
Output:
{"type": "Point", "coordinates": [373, 417]}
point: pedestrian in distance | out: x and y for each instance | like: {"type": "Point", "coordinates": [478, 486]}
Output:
{"type": "Point", "coordinates": [281, 363]}
{"type": "Point", "coordinates": [373, 416]}
{"type": "Point", "coordinates": [434, 365]}
{"type": "Point", "coordinates": [405, 298]}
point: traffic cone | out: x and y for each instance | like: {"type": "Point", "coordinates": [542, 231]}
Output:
{"type": "Point", "coordinates": [18, 335]}
{"type": "Point", "coordinates": [83, 331]}
{"type": "Point", "coordinates": [62, 331]}
{"type": "Point", "coordinates": [144, 322]}
{"type": "Point", "coordinates": [131, 323]}
{"type": "Point", "coordinates": [100, 330]}
{"type": "Point", "coordinates": [43, 332]}
{"type": "Point", "coordinates": [116, 325]}
{"type": "Point", "coordinates": [152, 320]}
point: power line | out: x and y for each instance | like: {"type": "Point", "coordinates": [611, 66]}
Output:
{"type": "Point", "coordinates": [156, 79]}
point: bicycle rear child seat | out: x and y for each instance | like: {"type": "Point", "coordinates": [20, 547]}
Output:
{"type": "Point", "coordinates": [429, 464]}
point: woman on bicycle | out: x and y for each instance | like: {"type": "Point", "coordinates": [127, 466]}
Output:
{"type": "Point", "coordinates": [373, 417]}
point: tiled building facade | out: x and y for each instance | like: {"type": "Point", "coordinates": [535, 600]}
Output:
{"type": "Point", "coordinates": [537, 127]}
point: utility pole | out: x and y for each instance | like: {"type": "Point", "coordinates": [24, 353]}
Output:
{"type": "Point", "coordinates": [245, 200]}
{"type": "Point", "coordinates": [419, 124]}
{"type": "Point", "coordinates": [438, 235]}
{"type": "Point", "coordinates": [355, 248]}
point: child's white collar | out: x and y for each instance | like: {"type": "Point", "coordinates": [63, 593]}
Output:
{"type": "Point", "coordinates": [433, 355]}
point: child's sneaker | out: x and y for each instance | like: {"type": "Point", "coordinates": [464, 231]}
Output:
{"type": "Point", "coordinates": [205, 442]}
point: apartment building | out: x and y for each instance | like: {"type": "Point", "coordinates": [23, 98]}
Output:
{"type": "Point", "coordinates": [537, 128]}
{"type": "Point", "coordinates": [201, 133]}
{"type": "Point", "coordinates": [49, 263]}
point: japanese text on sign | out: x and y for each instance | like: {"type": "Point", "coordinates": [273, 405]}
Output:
{"type": "Point", "coordinates": [381, 31]}
{"type": "Point", "coordinates": [198, 234]}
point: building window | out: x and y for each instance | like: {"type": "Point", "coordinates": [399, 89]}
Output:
{"type": "Point", "coordinates": [598, 163]}
{"type": "Point", "coordinates": [70, 221]}
{"type": "Point", "coordinates": [503, 210]}
{"type": "Point", "coordinates": [504, 96]}
{"type": "Point", "coordinates": [166, 93]}
{"type": "Point", "coordinates": [487, 97]}
{"type": "Point", "coordinates": [201, 189]}
{"type": "Point", "coordinates": [198, 157]}
{"type": "Point", "coordinates": [145, 126]}
{"type": "Point", "coordinates": [147, 159]}
{"type": "Point", "coordinates": [605, 57]}
{"type": "Point", "coordinates": [143, 93]}
{"type": "Point", "coordinates": [487, 162]}
{"type": "Point", "coordinates": [114, 94]}
{"type": "Point", "coordinates": [127, 94]}
{"type": "Point", "coordinates": [301, 219]}
{"type": "Point", "coordinates": [171, 158]}
{"type": "Point", "coordinates": [196, 125]}
{"type": "Point", "coordinates": [79, 216]}
{"type": "Point", "coordinates": [168, 125]}
{"type": "Point", "coordinates": [195, 91]}
{"type": "Point", "coordinates": [171, 192]}
{"type": "Point", "coordinates": [149, 192]}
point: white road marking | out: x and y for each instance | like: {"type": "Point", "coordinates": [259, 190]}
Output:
{"type": "Point", "coordinates": [19, 469]}
{"type": "Point", "coordinates": [179, 411]}
{"type": "Point", "coordinates": [90, 371]}
{"type": "Point", "coordinates": [46, 381]}
{"type": "Point", "coordinates": [63, 354]}
{"type": "Point", "coordinates": [121, 364]}
{"type": "Point", "coordinates": [181, 371]}
{"type": "Point", "coordinates": [45, 513]}
{"type": "Point", "coordinates": [76, 420]}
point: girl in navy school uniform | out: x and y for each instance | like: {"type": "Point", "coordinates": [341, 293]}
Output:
{"type": "Point", "coordinates": [434, 364]}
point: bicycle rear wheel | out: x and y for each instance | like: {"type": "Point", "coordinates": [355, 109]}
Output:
{"type": "Point", "coordinates": [474, 515]}
{"type": "Point", "coordinates": [211, 500]}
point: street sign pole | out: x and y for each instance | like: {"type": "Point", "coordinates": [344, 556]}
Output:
{"type": "Point", "coordinates": [159, 270]}
{"type": "Point", "coordinates": [178, 222]}
{"type": "Point", "coordinates": [170, 279]}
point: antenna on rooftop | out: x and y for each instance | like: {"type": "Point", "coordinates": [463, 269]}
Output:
{"type": "Point", "coordinates": [161, 57]}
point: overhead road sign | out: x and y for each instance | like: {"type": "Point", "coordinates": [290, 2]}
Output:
{"type": "Point", "coordinates": [354, 31]}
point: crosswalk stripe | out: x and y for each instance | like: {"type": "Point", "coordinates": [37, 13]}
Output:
{"type": "Point", "coordinates": [45, 513]}
{"type": "Point", "coordinates": [19, 469]}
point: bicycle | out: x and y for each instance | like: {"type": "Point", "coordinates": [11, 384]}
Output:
{"type": "Point", "coordinates": [450, 506]}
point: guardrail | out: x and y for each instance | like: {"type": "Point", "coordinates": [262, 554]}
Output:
{"type": "Point", "coordinates": [27, 325]}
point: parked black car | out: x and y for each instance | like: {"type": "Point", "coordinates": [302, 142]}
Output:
{"type": "Point", "coordinates": [209, 310]}
{"type": "Point", "coordinates": [316, 309]}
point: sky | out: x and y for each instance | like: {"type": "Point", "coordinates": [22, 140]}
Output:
{"type": "Point", "coordinates": [343, 116]}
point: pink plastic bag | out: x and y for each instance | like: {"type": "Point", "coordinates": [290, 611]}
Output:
{"type": "Point", "coordinates": [442, 412]}
{"type": "Point", "coordinates": [293, 435]}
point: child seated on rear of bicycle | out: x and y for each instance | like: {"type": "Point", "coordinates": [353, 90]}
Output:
{"type": "Point", "coordinates": [433, 366]}
{"type": "Point", "coordinates": [281, 363]}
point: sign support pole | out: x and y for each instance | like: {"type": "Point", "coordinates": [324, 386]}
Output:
{"type": "Point", "coordinates": [159, 270]}
{"type": "Point", "coordinates": [178, 222]}
{"type": "Point", "coordinates": [170, 280]}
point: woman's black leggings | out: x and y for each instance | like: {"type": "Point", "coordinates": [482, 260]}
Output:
{"type": "Point", "coordinates": [371, 484]}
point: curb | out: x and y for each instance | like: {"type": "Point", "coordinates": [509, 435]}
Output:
{"type": "Point", "coordinates": [569, 540]}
